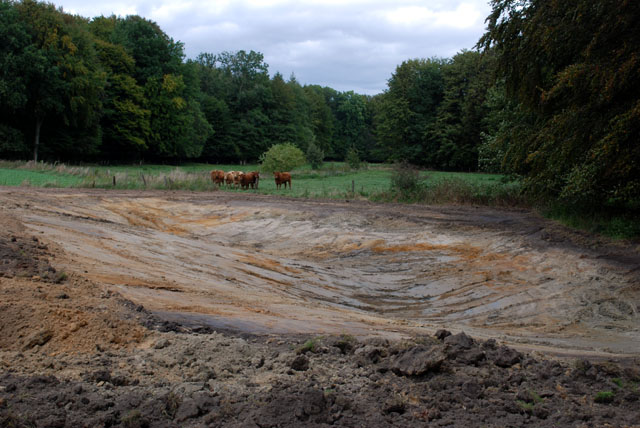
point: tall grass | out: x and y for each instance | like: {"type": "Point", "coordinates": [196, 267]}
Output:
{"type": "Point", "coordinates": [410, 185]}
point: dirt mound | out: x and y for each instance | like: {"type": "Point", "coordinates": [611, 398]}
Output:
{"type": "Point", "coordinates": [188, 380]}
{"type": "Point", "coordinates": [49, 311]}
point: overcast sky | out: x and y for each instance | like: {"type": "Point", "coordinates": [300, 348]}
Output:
{"type": "Point", "coordinates": [345, 44]}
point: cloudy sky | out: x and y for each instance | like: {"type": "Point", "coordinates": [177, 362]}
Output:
{"type": "Point", "coordinates": [345, 44]}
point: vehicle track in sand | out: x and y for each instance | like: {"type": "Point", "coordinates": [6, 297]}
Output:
{"type": "Point", "coordinates": [277, 265]}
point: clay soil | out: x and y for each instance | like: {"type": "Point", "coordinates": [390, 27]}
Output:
{"type": "Point", "coordinates": [215, 309]}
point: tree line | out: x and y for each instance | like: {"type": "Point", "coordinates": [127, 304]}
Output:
{"type": "Point", "coordinates": [120, 89]}
{"type": "Point", "coordinates": [549, 95]}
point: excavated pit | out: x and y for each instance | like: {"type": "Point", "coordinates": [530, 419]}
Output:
{"type": "Point", "coordinates": [275, 265]}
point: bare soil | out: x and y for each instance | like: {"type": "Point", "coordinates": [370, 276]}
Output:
{"type": "Point", "coordinates": [216, 309]}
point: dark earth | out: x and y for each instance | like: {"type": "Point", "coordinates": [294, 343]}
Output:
{"type": "Point", "coordinates": [75, 353]}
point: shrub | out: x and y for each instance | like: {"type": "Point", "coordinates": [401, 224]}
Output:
{"type": "Point", "coordinates": [353, 158]}
{"type": "Point", "coordinates": [315, 156]}
{"type": "Point", "coordinates": [282, 157]}
{"type": "Point", "coordinates": [406, 180]}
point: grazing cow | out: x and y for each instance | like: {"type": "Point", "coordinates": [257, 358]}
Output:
{"type": "Point", "coordinates": [233, 178]}
{"type": "Point", "coordinates": [250, 179]}
{"type": "Point", "coordinates": [229, 178]}
{"type": "Point", "coordinates": [217, 177]}
{"type": "Point", "coordinates": [282, 178]}
{"type": "Point", "coordinates": [237, 178]}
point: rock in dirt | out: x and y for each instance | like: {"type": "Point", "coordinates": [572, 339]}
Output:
{"type": "Point", "coordinates": [418, 361]}
{"type": "Point", "coordinates": [507, 357]}
{"type": "Point", "coordinates": [460, 340]}
{"type": "Point", "coordinates": [300, 363]}
{"type": "Point", "coordinates": [442, 334]}
{"type": "Point", "coordinates": [38, 338]}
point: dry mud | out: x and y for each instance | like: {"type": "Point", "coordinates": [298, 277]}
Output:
{"type": "Point", "coordinates": [217, 309]}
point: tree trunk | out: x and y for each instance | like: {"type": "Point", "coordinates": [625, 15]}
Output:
{"type": "Point", "coordinates": [36, 140]}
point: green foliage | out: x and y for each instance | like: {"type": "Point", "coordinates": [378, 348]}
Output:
{"type": "Point", "coordinates": [407, 111]}
{"type": "Point", "coordinates": [309, 346]}
{"type": "Point", "coordinates": [281, 157]}
{"type": "Point", "coordinates": [12, 142]}
{"type": "Point", "coordinates": [622, 224]}
{"type": "Point", "coordinates": [572, 67]}
{"type": "Point", "coordinates": [61, 277]}
{"type": "Point", "coordinates": [526, 407]}
{"type": "Point", "coordinates": [604, 397]}
{"type": "Point", "coordinates": [315, 156]}
{"type": "Point", "coordinates": [407, 181]}
{"type": "Point", "coordinates": [460, 123]}
{"type": "Point", "coordinates": [353, 158]}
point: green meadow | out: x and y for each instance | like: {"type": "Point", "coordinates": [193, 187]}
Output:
{"type": "Point", "coordinates": [333, 180]}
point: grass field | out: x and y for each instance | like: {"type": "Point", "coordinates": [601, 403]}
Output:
{"type": "Point", "coordinates": [21, 177]}
{"type": "Point", "coordinates": [333, 180]}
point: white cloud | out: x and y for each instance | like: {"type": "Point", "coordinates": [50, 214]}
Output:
{"type": "Point", "coordinates": [348, 45]}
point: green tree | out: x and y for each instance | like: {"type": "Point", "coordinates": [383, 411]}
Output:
{"type": "Point", "coordinates": [322, 119]}
{"type": "Point", "coordinates": [63, 81]}
{"type": "Point", "coordinates": [247, 94]}
{"type": "Point", "coordinates": [282, 157]}
{"type": "Point", "coordinates": [314, 155]}
{"type": "Point", "coordinates": [351, 126]}
{"type": "Point", "coordinates": [125, 121]}
{"type": "Point", "coordinates": [178, 129]}
{"type": "Point", "coordinates": [352, 158]}
{"type": "Point", "coordinates": [15, 55]}
{"type": "Point", "coordinates": [406, 112]}
{"type": "Point", "coordinates": [460, 119]}
{"type": "Point", "coordinates": [573, 67]}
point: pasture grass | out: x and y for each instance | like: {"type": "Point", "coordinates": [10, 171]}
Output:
{"type": "Point", "coordinates": [24, 177]}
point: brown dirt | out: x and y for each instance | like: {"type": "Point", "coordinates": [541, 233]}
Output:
{"type": "Point", "coordinates": [115, 291]}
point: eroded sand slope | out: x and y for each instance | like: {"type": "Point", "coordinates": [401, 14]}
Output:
{"type": "Point", "coordinates": [264, 264]}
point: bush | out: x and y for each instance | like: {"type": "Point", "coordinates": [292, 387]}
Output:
{"type": "Point", "coordinates": [406, 180]}
{"type": "Point", "coordinates": [353, 158]}
{"type": "Point", "coordinates": [282, 157]}
{"type": "Point", "coordinates": [315, 156]}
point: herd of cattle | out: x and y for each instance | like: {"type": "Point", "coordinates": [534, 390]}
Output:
{"type": "Point", "coordinates": [245, 180]}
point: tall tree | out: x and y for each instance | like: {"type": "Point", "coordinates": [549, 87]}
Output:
{"type": "Point", "coordinates": [407, 111]}
{"type": "Point", "coordinates": [459, 123]}
{"type": "Point", "coordinates": [63, 78]}
{"type": "Point", "coordinates": [15, 58]}
{"type": "Point", "coordinates": [177, 127]}
{"type": "Point", "coordinates": [574, 66]}
{"type": "Point", "coordinates": [125, 120]}
{"type": "Point", "coordinates": [322, 120]}
{"type": "Point", "coordinates": [247, 95]}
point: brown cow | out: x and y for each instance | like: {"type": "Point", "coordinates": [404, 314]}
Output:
{"type": "Point", "coordinates": [250, 179]}
{"type": "Point", "coordinates": [229, 178]}
{"type": "Point", "coordinates": [282, 178]}
{"type": "Point", "coordinates": [233, 178]}
{"type": "Point", "coordinates": [217, 177]}
{"type": "Point", "coordinates": [237, 178]}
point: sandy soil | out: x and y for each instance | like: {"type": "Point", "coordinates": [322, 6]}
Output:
{"type": "Point", "coordinates": [182, 309]}
{"type": "Point", "coordinates": [275, 265]}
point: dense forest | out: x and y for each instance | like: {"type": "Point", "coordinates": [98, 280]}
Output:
{"type": "Point", "coordinates": [551, 95]}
